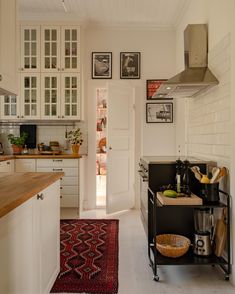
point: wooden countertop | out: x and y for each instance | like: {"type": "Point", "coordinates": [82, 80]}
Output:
{"type": "Point", "coordinates": [48, 156]}
{"type": "Point", "coordinates": [36, 156]}
{"type": "Point", "coordinates": [17, 188]}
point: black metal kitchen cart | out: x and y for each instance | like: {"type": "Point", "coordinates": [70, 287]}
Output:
{"type": "Point", "coordinates": [178, 219]}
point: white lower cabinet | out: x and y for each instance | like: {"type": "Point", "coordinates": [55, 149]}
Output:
{"type": "Point", "coordinates": [70, 189]}
{"type": "Point", "coordinates": [25, 165]}
{"type": "Point", "coordinates": [7, 166]}
{"type": "Point", "coordinates": [29, 244]}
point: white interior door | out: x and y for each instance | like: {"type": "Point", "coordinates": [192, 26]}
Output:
{"type": "Point", "coordinates": [120, 135]}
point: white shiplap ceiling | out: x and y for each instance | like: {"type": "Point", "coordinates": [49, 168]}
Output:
{"type": "Point", "coordinates": [154, 13]}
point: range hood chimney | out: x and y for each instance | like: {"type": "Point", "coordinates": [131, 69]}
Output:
{"type": "Point", "coordinates": [196, 78]}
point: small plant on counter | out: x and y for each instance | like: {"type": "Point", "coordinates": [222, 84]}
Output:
{"type": "Point", "coordinates": [75, 136]}
{"type": "Point", "coordinates": [17, 142]}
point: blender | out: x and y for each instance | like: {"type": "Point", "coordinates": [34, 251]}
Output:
{"type": "Point", "coordinates": [203, 219]}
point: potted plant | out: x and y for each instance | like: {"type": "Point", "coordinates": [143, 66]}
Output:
{"type": "Point", "coordinates": [17, 142]}
{"type": "Point", "coordinates": [75, 138]}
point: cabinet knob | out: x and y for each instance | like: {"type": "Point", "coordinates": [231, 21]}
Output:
{"type": "Point", "coordinates": [0, 78]}
{"type": "Point", "coordinates": [61, 196]}
{"type": "Point", "coordinates": [58, 69]}
{"type": "Point", "coordinates": [40, 196]}
{"type": "Point", "coordinates": [8, 162]}
{"type": "Point", "coordinates": [62, 69]}
{"type": "Point", "coordinates": [62, 116]}
{"type": "Point", "coordinates": [18, 116]}
{"type": "Point", "coordinates": [110, 148]}
{"type": "Point", "coordinates": [58, 116]}
{"type": "Point", "coordinates": [22, 116]}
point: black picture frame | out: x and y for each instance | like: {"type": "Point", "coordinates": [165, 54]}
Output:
{"type": "Point", "coordinates": [159, 112]}
{"type": "Point", "coordinates": [151, 89]}
{"type": "Point", "coordinates": [129, 65]}
{"type": "Point", "coordinates": [101, 65]}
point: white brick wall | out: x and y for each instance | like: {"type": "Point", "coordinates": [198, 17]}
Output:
{"type": "Point", "coordinates": [209, 116]}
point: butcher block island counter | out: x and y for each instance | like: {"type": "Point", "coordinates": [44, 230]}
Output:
{"type": "Point", "coordinates": [29, 232]}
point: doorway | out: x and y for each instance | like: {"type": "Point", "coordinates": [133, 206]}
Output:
{"type": "Point", "coordinates": [101, 147]}
{"type": "Point", "coordinates": [110, 173]}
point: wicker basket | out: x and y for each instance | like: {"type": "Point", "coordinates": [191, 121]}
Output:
{"type": "Point", "coordinates": [172, 245]}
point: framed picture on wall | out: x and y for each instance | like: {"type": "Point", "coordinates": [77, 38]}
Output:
{"type": "Point", "coordinates": [159, 112]}
{"type": "Point", "coordinates": [130, 65]}
{"type": "Point", "coordinates": [151, 90]}
{"type": "Point", "coordinates": [101, 65]}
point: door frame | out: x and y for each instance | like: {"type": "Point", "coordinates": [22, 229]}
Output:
{"type": "Point", "coordinates": [89, 201]}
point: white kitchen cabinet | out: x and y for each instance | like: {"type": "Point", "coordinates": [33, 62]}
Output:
{"type": "Point", "coordinates": [8, 82]}
{"type": "Point", "coordinates": [25, 165]}
{"type": "Point", "coordinates": [50, 48]}
{"type": "Point", "coordinates": [70, 49]}
{"type": "Point", "coordinates": [29, 244]}
{"type": "Point", "coordinates": [10, 107]}
{"type": "Point", "coordinates": [70, 96]}
{"type": "Point", "coordinates": [30, 49]}
{"type": "Point", "coordinates": [30, 95]}
{"type": "Point", "coordinates": [7, 166]}
{"type": "Point", "coordinates": [47, 236]}
{"type": "Point", "coordinates": [70, 188]}
{"type": "Point", "coordinates": [50, 98]}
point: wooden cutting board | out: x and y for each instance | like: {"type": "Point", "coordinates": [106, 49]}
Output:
{"type": "Point", "coordinates": [192, 200]}
{"type": "Point", "coordinates": [220, 234]}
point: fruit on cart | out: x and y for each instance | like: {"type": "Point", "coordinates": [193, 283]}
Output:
{"type": "Point", "coordinates": [170, 193]}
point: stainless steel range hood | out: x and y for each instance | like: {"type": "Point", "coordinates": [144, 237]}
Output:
{"type": "Point", "coordinates": [196, 78]}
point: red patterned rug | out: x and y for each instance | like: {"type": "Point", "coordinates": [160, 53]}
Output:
{"type": "Point", "coordinates": [88, 257]}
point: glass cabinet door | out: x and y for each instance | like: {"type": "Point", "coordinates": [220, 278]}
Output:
{"type": "Point", "coordinates": [9, 107]}
{"type": "Point", "coordinates": [50, 40]}
{"type": "Point", "coordinates": [70, 49]}
{"type": "Point", "coordinates": [30, 95]}
{"type": "Point", "coordinates": [50, 96]}
{"type": "Point", "coordinates": [30, 48]}
{"type": "Point", "coordinates": [70, 94]}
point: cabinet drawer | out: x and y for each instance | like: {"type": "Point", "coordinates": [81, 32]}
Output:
{"type": "Point", "coordinates": [7, 166]}
{"type": "Point", "coordinates": [69, 190]}
{"type": "Point", "coordinates": [69, 181]}
{"type": "Point", "coordinates": [25, 165]}
{"type": "Point", "coordinates": [69, 172]}
{"type": "Point", "coordinates": [59, 162]}
{"type": "Point", "coordinates": [69, 201]}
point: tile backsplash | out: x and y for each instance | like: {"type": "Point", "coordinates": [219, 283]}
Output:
{"type": "Point", "coordinates": [45, 134]}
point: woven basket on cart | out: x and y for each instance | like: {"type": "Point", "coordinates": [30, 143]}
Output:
{"type": "Point", "coordinates": [171, 245]}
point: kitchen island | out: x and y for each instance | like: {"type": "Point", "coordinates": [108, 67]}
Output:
{"type": "Point", "coordinates": [29, 232]}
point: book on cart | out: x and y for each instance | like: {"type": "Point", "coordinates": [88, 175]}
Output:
{"type": "Point", "coordinates": [181, 200]}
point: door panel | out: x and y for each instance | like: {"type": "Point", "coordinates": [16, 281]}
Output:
{"type": "Point", "coordinates": [120, 171]}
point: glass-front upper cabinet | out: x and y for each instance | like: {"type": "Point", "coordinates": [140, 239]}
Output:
{"type": "Point", "coordinates": [30, 48]}
{"type": "Point", "coordinates": [70, 49]}
{"type": "Point", "coordinates": [10, 107]}
{"type": "Point", "coordinates": [30, 96]}
{"type": "Point", "coordinates": [50, 95]}
{"type": "Point", "coordinates": [70, 96]}
{"type": "Point", "coordinates": [50, 57]}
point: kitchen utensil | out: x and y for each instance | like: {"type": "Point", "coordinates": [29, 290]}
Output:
{"type": "Point", "coordinates": [197, 173]}
{"type": "Point", "coordinates": [221, 174]}
{"type": "Point", "coordinates": [220, 233]}
{"type": "Point", "coordinates": [1, 149]}
{"type": "Point", "coordinates": [215, 174]}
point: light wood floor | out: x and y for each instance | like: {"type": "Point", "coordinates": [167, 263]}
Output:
{"type": "Point", "coordinates": [135, 275]}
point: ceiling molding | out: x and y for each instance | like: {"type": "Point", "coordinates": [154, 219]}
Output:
{"type": "Point", "coordinates": [181, 14]}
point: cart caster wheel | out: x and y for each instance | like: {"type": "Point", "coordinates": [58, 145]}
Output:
{"type": "Point", "coordinates": [156, 278]}
{"type": "Point", "coordinates": [226, 278]}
